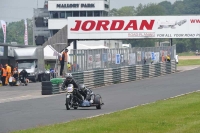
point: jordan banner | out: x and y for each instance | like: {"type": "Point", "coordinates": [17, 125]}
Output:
{"type": "Point", "coordinates": [3, 25]}
{"type": "Point", "coordinates": [25, 33]}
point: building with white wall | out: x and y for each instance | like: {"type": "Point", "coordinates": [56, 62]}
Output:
{"type": "Point", "coordinates": [60, 10]}
{"type": "Point", "coordinates": [54, 16]}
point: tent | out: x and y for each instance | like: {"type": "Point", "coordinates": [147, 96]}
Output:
{"type": "Point", "coordinates": [87, 46]}
{"type": "Point", "coordinates": [50, 53]}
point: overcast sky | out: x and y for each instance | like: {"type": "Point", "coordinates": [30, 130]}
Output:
{"type": "Point", "coordinates": [15, 10]}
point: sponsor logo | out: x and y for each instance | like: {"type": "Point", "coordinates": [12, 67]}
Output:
{"type": "Point", "coordinates": [112, 25]}
{"type": "Point", "coordinates": [195, 20]}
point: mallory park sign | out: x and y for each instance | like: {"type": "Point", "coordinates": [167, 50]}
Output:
{"type": "Point", "coordinates": [89, 5]}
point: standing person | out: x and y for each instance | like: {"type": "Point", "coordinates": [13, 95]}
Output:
{"type": "Point", "coordinates": [4, 75]}
{"type": "Point", "coordinates": [63, 59]}
{"type": "Point", "coordinates": [163, 58]}
{"type": "Point", "coordinates": [1, 73]}
{"type": "Point", "coordinates": [8, 70]}
{"type": "Point", "coordinates": [69, 67]}
{"type": "Point", "coordinates": [168, 58]}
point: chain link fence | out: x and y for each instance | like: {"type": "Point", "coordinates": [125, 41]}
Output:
{"type": "Point", "coordinates": [94, 59]}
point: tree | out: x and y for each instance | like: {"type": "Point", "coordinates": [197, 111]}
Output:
{"type": "Point", "coordinates": [152, 10]}
{"type": "Point", "coordinates": [114, 12]}
{"type": "Point", "coordinates": [178, 8]}
{"type": "Point", "coordinates": [191, 6]}
{"type": "Point", "coordinates": [139, 8]}
{"type": "Point", "coordinates": [127, 11]}
{"type": "Point", "coordinates": [124, 11]}
{"type": "Point", "coordinates": [15, 32]}
{"type": "Point", "coordinates": [167, 6]}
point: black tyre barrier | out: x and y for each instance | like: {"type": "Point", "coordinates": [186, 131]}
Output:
{"type": "Point", "coordinates": [46, 83]}
{"type": "Point", "coordinates": [48, 88]}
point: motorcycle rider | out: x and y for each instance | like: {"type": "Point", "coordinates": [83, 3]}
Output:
{"type": "Point", "coordinates": [70, 80]}
{"type": "Point", "coordinates": [85, 92]}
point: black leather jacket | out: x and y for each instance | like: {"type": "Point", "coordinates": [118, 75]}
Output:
{"type": "Point", "coordinates": [24, 73]}
{"type": "Point", "coordinates": [86, 93]}
{"type": "Point", "coordinates": [73, 81]}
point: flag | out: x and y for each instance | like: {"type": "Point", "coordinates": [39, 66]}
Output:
{"type": "Point", "coordinates": [25, 33]}
{"type": "Point", "coordinates": [3, 25]}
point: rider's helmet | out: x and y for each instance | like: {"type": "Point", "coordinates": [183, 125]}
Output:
{"type": "Point", "coordinates": [82, 87]}
{"type": "Point", "coordinates": [69, 77]}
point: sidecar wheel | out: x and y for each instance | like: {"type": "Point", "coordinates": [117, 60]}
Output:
{"type": "Point", "coordinates": [98, 100]}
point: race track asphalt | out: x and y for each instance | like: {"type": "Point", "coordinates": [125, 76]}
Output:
{"type": "Point", "coordinates": [36, 110]}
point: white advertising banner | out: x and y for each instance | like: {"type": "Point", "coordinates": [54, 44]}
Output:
{"type": "Point", "coordinates": [3, 26]}
{"type": "Point", "coordinates": [138, 56]}
{"type": "Point", "coordinates": [109, 57]}
{"type": "Point", "coordinates": [148, 55]}
{"type": "Point", "coordinates": [157, 57]}
{"type": "Point", "coordinates": [90, 61]}
{"type": "Point", "coordinates": [134, 27]}
{"type": "Point", "coordinates": [98, 60]}
{"type": "Point", "coordinates": [132, 59]}
{"type": "Point", "coordinates": [25, 33]}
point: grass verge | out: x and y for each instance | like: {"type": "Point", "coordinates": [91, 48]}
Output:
{"type": "Point", "coordinates": [186, 54]}
{"type": "Point", "coordinates": [177, 115]}
{"type": "Point", "coordinates": [189, 62]}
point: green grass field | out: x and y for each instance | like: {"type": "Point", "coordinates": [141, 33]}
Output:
{"type": "Point", "coordinates": [176, 115]}
{"type": "Point", "coordinates": [189, 62]}
{"type": "Point", "coordinates": [186, 54]}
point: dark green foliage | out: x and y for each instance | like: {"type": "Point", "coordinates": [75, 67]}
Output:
{"type": "Point", "coordinates": [15, 32]}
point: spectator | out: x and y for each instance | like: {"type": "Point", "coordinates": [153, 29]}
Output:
{"type": "Point", "coordinates": [145, 61]}
{"type": "Point", "coordinates": [47, 66]}
{"type": "Point", "coordinates": [69, 67]}
{"type": "Point", "coordinates": [163, 58]}
{"type": "Point", "coordinates": [15, 74]}
{"type": "Point", "coordinates": [1, 73]}
{"type": "Point", "coordinates": [168, 58]}
{"type": "Point", "coordinates": [8, 70]}
{"type": "Point", "coordinates": [4, 75]}
{"type": "Point", "coordinates": [63, 59]}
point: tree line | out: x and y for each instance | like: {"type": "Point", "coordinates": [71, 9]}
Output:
{"type": "Point", "coordinates": [15, 30]}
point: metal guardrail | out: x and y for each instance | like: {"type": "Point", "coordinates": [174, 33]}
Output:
{"type": "Point", "coordinates": [102, 77]}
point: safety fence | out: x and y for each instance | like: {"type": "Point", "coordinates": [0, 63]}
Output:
{"type": "Point", "coordinates": [103, 77]}
{"type": "Point", "coordinates": [95, 59]}
{"type": "Point", "coordinates": [98, 78]}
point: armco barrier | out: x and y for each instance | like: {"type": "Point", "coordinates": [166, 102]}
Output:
{"type": "Point", "coordinates": [98, 78]}
{"type": "Point", "coordinates": [102, 77]}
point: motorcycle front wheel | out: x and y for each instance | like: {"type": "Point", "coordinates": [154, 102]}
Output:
{"type": "Point", "coordinates": [68, 106]}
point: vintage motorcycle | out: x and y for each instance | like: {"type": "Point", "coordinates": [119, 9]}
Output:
{"type": "Point", "coordinates": [72, 100]}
